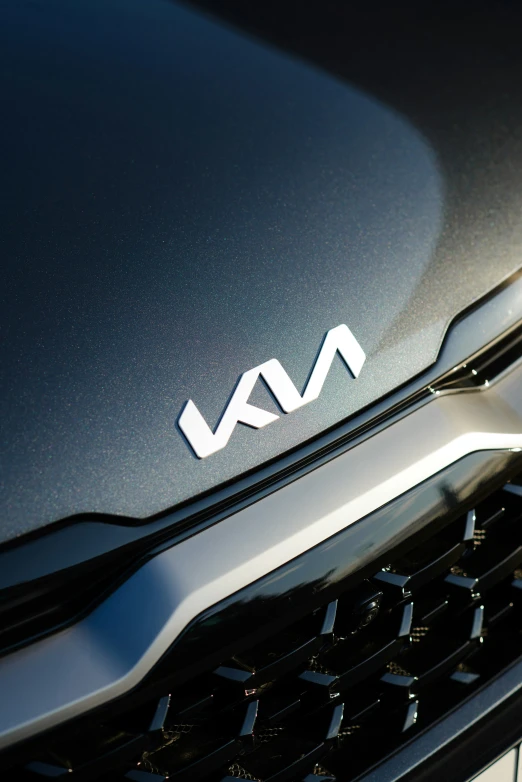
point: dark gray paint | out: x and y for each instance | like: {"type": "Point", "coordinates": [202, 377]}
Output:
{"type": "Point", "coordinates": [180, 204]}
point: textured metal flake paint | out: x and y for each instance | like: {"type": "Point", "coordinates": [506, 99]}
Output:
{"type": "Point", "coordinates": [181, 204]}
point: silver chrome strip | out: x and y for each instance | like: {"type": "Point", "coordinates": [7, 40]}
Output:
{"type": "Point", "coordinates": [112, 649]}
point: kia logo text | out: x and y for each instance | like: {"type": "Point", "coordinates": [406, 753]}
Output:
{"type": "Point", "coordinates": [205, 442]}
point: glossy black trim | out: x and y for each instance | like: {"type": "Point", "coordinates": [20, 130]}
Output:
{"type": "Point", "coordinates": [462, 744]}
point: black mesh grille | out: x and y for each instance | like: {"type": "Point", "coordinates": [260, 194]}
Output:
{"type": "Point", "coordinates": [334, 692]}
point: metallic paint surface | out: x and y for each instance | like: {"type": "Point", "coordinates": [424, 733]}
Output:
{"type": "Point", "coordinates": [182, 203]}
{"type": "Point", "coordinates": [107, 653]}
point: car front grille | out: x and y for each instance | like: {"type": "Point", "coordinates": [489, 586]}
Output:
{"type": "Point", "coordinates": [326, 692]}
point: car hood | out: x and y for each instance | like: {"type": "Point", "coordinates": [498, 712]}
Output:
{"type": "Point", "coordinates": [182, 204]}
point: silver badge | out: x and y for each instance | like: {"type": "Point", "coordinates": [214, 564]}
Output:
{"type": "Point", "coordinates": [205, 442]}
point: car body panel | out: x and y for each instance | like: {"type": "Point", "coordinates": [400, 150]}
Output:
{"type": "Point", "coordinates": [181, 204]}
